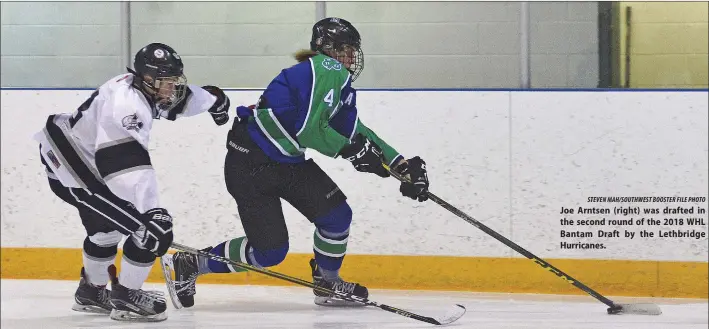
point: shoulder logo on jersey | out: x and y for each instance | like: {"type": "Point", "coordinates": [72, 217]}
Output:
{"type": "Point", "coordinates": [331, 64]}
{"type": "Point", "coordinates": [131, 122]}
{"type": "Point", "coordinates": [54, 159]}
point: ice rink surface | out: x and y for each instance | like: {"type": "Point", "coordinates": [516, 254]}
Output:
{"type": "Point", "coordinates": [47, 304]}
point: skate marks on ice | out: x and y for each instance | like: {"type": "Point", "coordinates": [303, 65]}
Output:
{"type": "Point", "coordinates": [47, 304]}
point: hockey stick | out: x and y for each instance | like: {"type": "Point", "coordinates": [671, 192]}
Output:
{"type": "Point", "coordinates": [613, 308]}
{"type": "Point", "coordinates": [453, 315]}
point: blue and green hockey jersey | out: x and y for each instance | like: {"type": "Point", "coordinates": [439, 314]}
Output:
{"type": "Point", "coordinates": [310, 105]}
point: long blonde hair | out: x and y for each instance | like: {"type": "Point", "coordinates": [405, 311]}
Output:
{"type": "Point", "coordinates": [304, 54]}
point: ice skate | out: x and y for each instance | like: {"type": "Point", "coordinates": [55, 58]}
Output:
{"type": "Point", "coordinates": [91, 298]}
{"type": "Point", "coordinates": [323, 299]}
{"type": "Point", "coordinates": [135, 304]}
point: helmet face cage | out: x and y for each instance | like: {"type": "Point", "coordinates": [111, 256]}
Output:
{"type": "Point", "coordinates": [350, 56]}
{"type": "Point", "coordinates": [159, 68]}
{"type": "Point", "coordinates": [167, 91]}
{"type": "Point", "coordinates": [340, 40]}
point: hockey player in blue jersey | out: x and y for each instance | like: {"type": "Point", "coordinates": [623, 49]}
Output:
{"type": "Point", "coordinates": [309, 105]}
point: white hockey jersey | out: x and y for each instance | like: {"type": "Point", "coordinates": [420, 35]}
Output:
{"type": "Point", "coordinates": [105, 142]}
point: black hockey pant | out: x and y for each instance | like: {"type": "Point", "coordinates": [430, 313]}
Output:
{"type": "Point", "coordinates": [106, 219]}
{"type": "Point", "coordinates": [257, 184]}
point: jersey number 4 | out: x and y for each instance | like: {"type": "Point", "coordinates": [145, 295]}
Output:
{"type": "Point", "coordinates": [329, 98]}
{"type": "Point", "coordinates": [84, 106]}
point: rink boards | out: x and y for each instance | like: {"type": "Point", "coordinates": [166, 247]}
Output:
{"type": "Point", "coordinates": [510, 159]}
{"type": "Point", "coordinates": [510, 275]}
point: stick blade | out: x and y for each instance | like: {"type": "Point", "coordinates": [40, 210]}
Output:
{"type": "Point", "coordinates": [642, 309]}
{"type": "Point", "coordinates": [453, 315]}
{"type": "Point", "coordinates": [167, 270]}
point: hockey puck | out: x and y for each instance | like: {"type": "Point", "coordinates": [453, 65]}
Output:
{"type": "Point", "coordinates": [616, 309]}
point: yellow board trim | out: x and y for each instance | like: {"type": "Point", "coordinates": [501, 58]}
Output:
{"type": "Point", "coordinates": [483, 274]}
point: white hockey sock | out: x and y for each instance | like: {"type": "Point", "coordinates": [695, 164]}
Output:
{"type": "Point", "coordinates": [133, 274]}
{"type": "Point", "coordinates": [96, 269]}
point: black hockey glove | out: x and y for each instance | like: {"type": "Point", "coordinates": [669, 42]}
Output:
{"type": "Point", "coordinates": [365, 156]}
{"type": "Point", "coordinates": [155, 234]}
{"type": "Point", "coordinates": [220, 109]}
{"type": "Point", "coordinates": [415, 170]}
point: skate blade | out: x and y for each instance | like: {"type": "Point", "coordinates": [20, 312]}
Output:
{"type": "Point", "coordinates": [336, 302]}
{"type": "Point", "coordinates": [92, 309]}
{"type": "Point", "coordinates": [129, 316]}
{"type": "Point", "coordinates": [167, 269]}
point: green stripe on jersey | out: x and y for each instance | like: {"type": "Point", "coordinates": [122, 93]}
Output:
{"type": "Point", "coordinates": [329, 78]}
{"type": "Point", "coordinates": [275, 132]}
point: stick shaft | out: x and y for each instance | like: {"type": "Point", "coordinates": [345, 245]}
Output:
{"type": "Point", "coordinates": [343, 295]}
{"type": "Point", "coordinates": [544, 264]}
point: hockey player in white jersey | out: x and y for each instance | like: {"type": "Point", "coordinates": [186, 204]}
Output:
{"type": "Point", "coordinates": [97, 160]}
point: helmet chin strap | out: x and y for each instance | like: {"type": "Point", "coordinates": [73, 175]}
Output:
{"type": "Point", "coordinates": [161, 108]}
{"type": "Point", "coordinates": [158, 111]}
{"type": "Point", "coordinates": [152, 95]}
{"type": "Point", "coordinates": [140, 84]}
